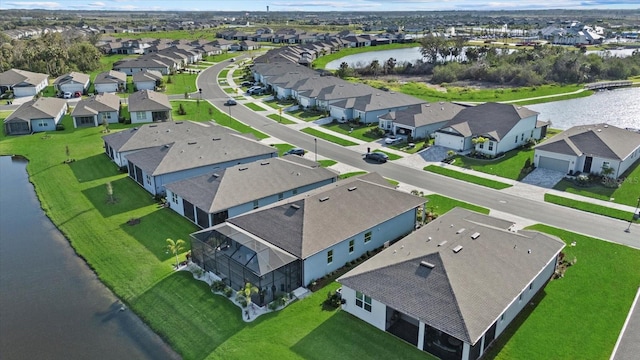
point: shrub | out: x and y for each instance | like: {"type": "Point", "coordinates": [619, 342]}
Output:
{"type": "Point", "coordinates": [228, 292]}
{"type": "Point", "coordinates": [219, 286]}
{"type": "Point", "coordinates": [181, 110]}
{"type": "Point", "coordinates": [333, 301]}
{"type": "Point", "coordinates": [59, 127]}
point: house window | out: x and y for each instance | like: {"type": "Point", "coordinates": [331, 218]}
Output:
{"type": "Point", "coordinates": [329, 256]}
{"type": "Point", "coordinates": [481, 146]}
{"type": "Point", "coordinates": [255, 204]}
{"type": "Point", "coordinates": [522, 137]}
{"type": "Point", "coordinates": [490, 145]}
{"type": "Point", "coordinates": [280, 196]}
{"type": "Point", "coordinates": [148, 179]}
{"type": "Point", "coordinates": [107, 115]}
{"type": "Point", "coordinates": [531, 286]}
{"type": "Point", "coordinates": [520, 298]}
{"type": "Point", "coordinates": [532, 133]}
{"type": "Point", "coordinates": [352, 245]}
{"type": "Point", "coordinates": [605, 165]}
{"type": "Point", "coordinates": [363, 301]}
{"type": "Point", "coordinates": [142, 115]}
{"type": "Point", "coordinates": [367, 237]}
{"type": "Point", "coordinates": [174, 198]}
{"type": "Point", "coordinates": [502, 318]}
{"type": "Point", "coordinates": [516, 139]}
{"type": "Point", "coordinates": [294, 191]}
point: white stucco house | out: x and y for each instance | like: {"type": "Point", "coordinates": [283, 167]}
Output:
{"type": "Point", "coordinates": [110, 82]}
{"type": "Point", "coordinates": [72, 82]}
{"type": "Point", "coordinates": [212, 198]}
{"type": "Point", "coordinates": [146, 79]}
{"type": "Point", "coordinates": [452, 287]}
{"type": "Point", "coordinates": [35, 115]}
{"type": "Point", "coordinates": [291, 243]}
{"type": "Point", "coordinates": [157, 166]}
{"type": "Point", "coordinates": [419, 121]}
{"type": "Point", "coordinates": [149, 106]}
{"type": "Point", "coordinates": [94, 110]}
{"type": "Point", "coordinates": [589, 149]}
{"type": "Point", "coordinates": [503, 126]}
{"type": "Point", "coordinates": [23, 83]}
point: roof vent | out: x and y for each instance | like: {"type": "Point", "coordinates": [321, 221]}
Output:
{"type": "Point", "coordinates": [429, 238]}
{"type": "Point", "coordinates": [192, 142]}
{"type": "Point", "coordinates": [243, 168]}
{"type": "Point", "coordinates": [295, 206]}
{"type": "Point", "coordinates": [167, 146]}
{"type": "Point", "coordinates": [215, 139]}
{"type": "Point", "coordinates": [264, 163]}
{"type": "Point", "coordinates": [427, 264]}
{"type": "Point", "coordinates": [599, 130]}
{"type": "Point", "coordinates": [442, 243]}
{"type": "Point", "coordinates": [352, 188]}
{"type": "Point", "coordinates": [457, 249]}
{"type": "Point", "coordinates": [178, 122]}
{"type": "Point", "coordinates": [323, 199]}
{"type": "Point", "coordinates": [475, 235]}
{"type": "Point", "coordinates": [606, 126]}
{"type": "Point", "coordinates": [216, 175]}
{"type": "Point", "coordinates": [460, 231]}
{"type": "Point", "coordinates": [153, 125]}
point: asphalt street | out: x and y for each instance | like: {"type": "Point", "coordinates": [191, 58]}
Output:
{"type": "Point", "coordinates": [558, 216]}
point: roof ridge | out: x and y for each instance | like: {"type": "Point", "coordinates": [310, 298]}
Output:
{"type": "Point", "coordinates": [455, 302]}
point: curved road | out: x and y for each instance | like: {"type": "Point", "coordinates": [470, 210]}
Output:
{"type": "Point", "coordinates": [558, 216]}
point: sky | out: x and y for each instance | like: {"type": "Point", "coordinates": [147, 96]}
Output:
{"type": "Point", "coordinates": [317, 5]}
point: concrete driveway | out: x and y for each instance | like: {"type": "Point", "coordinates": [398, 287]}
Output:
{"type": "Point", "coordinates": [434, 153]}
{"type": "Point", "coordinates": [543, 177]}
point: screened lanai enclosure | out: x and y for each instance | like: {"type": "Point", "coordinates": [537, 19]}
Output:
{"type": "Point", "coordinates": [238, 257]}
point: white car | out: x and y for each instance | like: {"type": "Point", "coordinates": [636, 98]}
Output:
{"type": "Point", "coordinates": [67, 95]}
{"type": "Point", "coordinates": [390, 140]}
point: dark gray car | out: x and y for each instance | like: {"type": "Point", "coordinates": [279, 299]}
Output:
{"type": "Point", "coordinates": [377, 156]}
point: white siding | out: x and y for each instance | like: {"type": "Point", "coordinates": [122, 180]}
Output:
{"type": "Point", "coordinates": [72, 87]}
{"type": "Point", "coordinates": [572, 159]}
{"type": "Point", "coordinates": [39, 125]}
{"type": "Point", "coordinates": [24, 91]}
{"type": "Point", "coordinates": [145, 85]}
{"type": "Point", "coordinates": [450, 141]}
{"type": "Point", "coordinates": [377, 316]}
{"type": "Point", "coordinates": [106, 88]}
{"type": "Point", "coordinates": [518, 135]}
{"type": "Point", "coordinates": [141, 117]}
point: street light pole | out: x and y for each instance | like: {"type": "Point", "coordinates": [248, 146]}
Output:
{"type": "Point", "coordinates": [315, 151]}
{"type": "Point", "coordinates": [636, 214]}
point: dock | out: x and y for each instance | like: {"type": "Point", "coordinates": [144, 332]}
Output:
{"type": "Point", "coordinates": [605, 85]}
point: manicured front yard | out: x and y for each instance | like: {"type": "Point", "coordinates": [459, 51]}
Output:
{"type": "Point", "coordinates": [589, 207]}
{"type": "Point", "coordinates": [280, 119]}
{"type": "Point", "coordinates": [255, 107]}
{"type": "Point", "coordinates": [307, 115]}
{"type": "Point", "coordinates": [180, 83]}
{"type": "Point", "coordinates": [328, 137]}
{"type": "Point", "coordinates": [578, 316]}
{"type": "Point", "coordinates": [439, 205]}
{"type": "Point", "coordinates": [362, 132]}
{"type": "Point", "coordinates": [466, 177]}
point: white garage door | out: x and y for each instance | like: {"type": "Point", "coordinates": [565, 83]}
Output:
{"type": "Point", "coordinates": [450, 141]}
{"type": "Point", "coordinates": [553, 164]}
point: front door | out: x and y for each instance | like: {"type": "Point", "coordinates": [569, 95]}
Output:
{"type": "Point", "coordinates": [587, 164]}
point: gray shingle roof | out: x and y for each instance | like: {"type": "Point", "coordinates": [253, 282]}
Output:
{"type": "Point", "coordinates": [316, 225]}
{"type": "Point", "coordinates": [197, 152]}
{"type": "Point", "coordinates": [42, 108]}
{"type": "Point", "coordinates": [16, 76]}
{"type": "Point", "coordinates": [109, 77]}
{"type": "Point", "coordinates": [465, 292]}
{"type": "Point", "coordinates": [151, 135]}
{"type": "Point", "coordinates": [424, 114]}
{"type": "Point", "coordinates": [490, 119]}
{"type": "Point", "coordinates": [96, 104]}
{"type": "Point", "coordinates": [597, 140]}
{"type": "Point", "coordinates": [238, 184]}
{"type": "Point", "coordinates": [148, 100]}
{"type": "Point", "coordinates": [147, 75]}
{"type": "Point", "coordinates": [72, 76]}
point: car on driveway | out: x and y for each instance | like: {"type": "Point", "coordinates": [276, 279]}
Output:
{"type": "Point", "coordinates": [230, 102]}
{"type": "Point", "coordinates": [246, 83]}
{"type": "Point", "coordinates": [258, 91]}
{"type": "Point", "coordinates": [77, 94]}
{"type": "Point", "coordinates": [67, 95]}
{"type": "Point", "coordinates": [376, 156]}
{"type": "Point", "coordinates": [390, 140]}
{"type": "Point", "coordinates": [295, 151]}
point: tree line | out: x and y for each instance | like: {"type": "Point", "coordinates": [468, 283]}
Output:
{"type": "Point", "coordinates": [450, 60]}
{"type": "Point", "coordinates": [51, 54]}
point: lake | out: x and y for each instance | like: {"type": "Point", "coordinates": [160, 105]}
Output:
{"type": "Point", "coordinates": [52, 306]}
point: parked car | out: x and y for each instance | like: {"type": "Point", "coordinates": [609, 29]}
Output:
{"type": "Point", "coordinates": [249, 90]}
{"type": "Point", "coordinates": [258, 91]}
{"type": "Point", "coordinates": [246, 83]}
{"type": "Point", "coordinates": [377, 156]}
{"type": "Point", "coordinates": [295, 151]}
{"type": "Point", "coordinates": [390, 140]}
{"type": "Point", "coordinates": [232, 59]}
{"type": "Point", "coordinates": [77, 94]}
{"type": "Point", "coordinates": [67, 95]}
{"type": "Point", "coordinates": [230, 102]}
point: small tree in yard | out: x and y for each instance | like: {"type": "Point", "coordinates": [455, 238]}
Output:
{"type": "Point", "coordinates": [248, 290]}
{"type": "Point", "coordinates": [181, 110]}
{"type": "Point", "coordinates": [111, 200]}
{"type": "Point", "coordinates": [175, 247]}
{"type": "Point", "coordinates": [105, 123]}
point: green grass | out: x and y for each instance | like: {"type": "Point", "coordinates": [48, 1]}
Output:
{"type": "Point", "coordinates": [221, 57]}
{"type": "Point", "coordinates": [418, 145]}
{"type": "Point", "coordinates": [106, 64]}
{"type": "Point", "coordinates": [580, 315]}
{"type": "Point", "coordinates": [282, 148]}
{"type": "Point", "coordinates": [255, 107]}
{"type": "Point", "coordinates": [328, 137]}
{"type": "Point", "coordinates": [508, 166]}
{"type": "Point", "coordinates": [181, 83]}
{"type": "Point", "coordinates": [222, 75]}
{"type": "Point", "coordinates": [626, 194]}
{"type": "Point", "coordinates": [466, 177]}
{"type": "Point", "coordinates": [439, 205]}
{"type": "Point", "coordinates": [589, 207]}
{"type": "Point", "coordinates": [274, 104]}
{"type": "Point", "coordinates": [350, 174]}
{"type": "Point", "coordinates": [361, 132]}
{"type": "Point", "coordinates": [307, 115]}
{"type": "Point", "coordinates": [390, 155]}
{"type": "Point", "coordinates": [207, 112]}
{"type": "Point", "coordinates": [280, 119]}
{"type": "Point", "coordinates": [327, 163]}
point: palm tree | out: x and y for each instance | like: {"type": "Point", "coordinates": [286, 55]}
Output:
{"type": "Point", "coordinates": [175, 247]}
{"type": "Point", "coordinates": [248, 290]}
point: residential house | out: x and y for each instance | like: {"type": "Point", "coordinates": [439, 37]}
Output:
{"type": "Point", "coordinates": [23, 83]}
{"type": "Point", "coordinates": [72, 82]}
{"type": "Point", "coordinates": [110, 82]}
{"type": "Point", "coordinates": [155, 62]}
{"type": "Point", "coordinates": [122, 143]}
{"type": "Point", "coordinates": [155, 167]}
{"type": "Point", "coordinates": [590, 149]}
{"type": "Point", "coordinates": [148, 106]}
{"type": "Point", "coordinates": [35, 115]}
{"type": "Point", "coordinates": [419, 121]}
{"type": "Point", "coordinates": [147, 80]}
{"type": "Point", "coordinates": [452, 287]}
{"type": "Point", "coordinates": [95, 110]}
{"type": "Point", "coordinates": [289, 244]}
{"type": "Point", "coordinates": [212, 198]}
{"type": "Point", "coordinates": [502, 126]}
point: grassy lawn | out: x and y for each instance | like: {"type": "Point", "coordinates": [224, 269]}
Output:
{"type": "Point", "coordinates": [589, 207]}
{"type": "Point", "coordinates": [255, 107]}
{"type": "Point", "coordinates": [283, 148]}
{"type": "Point", "coordinates": [280, 119]}
{"type": "Point", "coordinates": [350, 174]}
{"type": "Point", "coordinates": [362, 132]}
{"type": "Point", "coordinates": [390, 155]}
{"type": "Point", "coordinates": [222, 75]}
{"type": "Point", "coordinates": [626, 194]}
{"type": "Point", "coordinates": [307, 115]}
{"type": "Point", "coordinates": [439, 205]}
{"type": "Point", "coordinates": [418, 145]}
{"type": "Point", "coordinates": [274, 104]}
{"type": "Point", "coordinates": [328, 137]}
{"type": "Point", "coordinates": [466, 177]}
{"type": "Point", "coordinates": [180, 83]}
{"type": "Point", "coordinates": [580, 315]}
{"type": "Point", "coordinates": [221, 57]}
{"type": "Point", "coordinates": [106, 64]}
{"type": "Point", "coordinates": [327, 163]}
